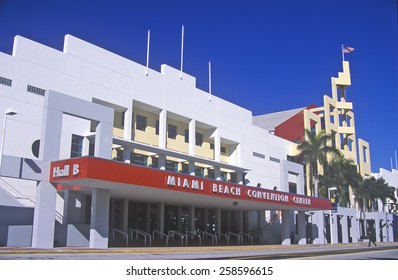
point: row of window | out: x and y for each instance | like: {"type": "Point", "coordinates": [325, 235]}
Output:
{"type": "Point", "coordinates": [142, 123]}
{"type": "Point", "coordinates": [29, 88]}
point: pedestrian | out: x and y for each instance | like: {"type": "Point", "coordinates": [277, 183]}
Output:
{"type": "Point", "coordinates": [372, 237]}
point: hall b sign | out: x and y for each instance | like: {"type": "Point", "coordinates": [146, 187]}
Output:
{"type": "Point", "coordinates": [65, 171]}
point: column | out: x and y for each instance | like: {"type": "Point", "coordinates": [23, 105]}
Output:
{"type": "Point", "coordinates": [286, 221]}
{"type": "Point", "coordinates": [125, 215]}
{"type": "Point", "coordinates": [217, 173]}
{"type": "Point", "coordinates": [218, 220]}
{"type": "Point", "coordinates": [355, 229]}
{"type": "Point", "coordinates": [103, 140]}
{"type": "Point", "coordinates": [99, 228]}
{"type": "Point", "coordinates": [191, 168]}
{"type": "Point", "coordinates": [126, 155]}
{"type": "Point", "coordinates": [302, 231]}
{"type": "Point", "coordinates": [318, 235]}
{"type": "Point", "coordinates": [44, 216]}
{"type": "Point", "coordinates": [344, 228]}
{"type": "Point", "coordinates": [334, 228]}
{"type": "Point", "coordinates": [261, 219]}
{"type": "Point", "coordinates": [128, 123]}
{"type": "Point", "coordinates": [377, 229]}
{"type": "Point", "coordinates": [239, 177]}
{"type": "Point", "coordinates": [229, 220]}
{"type": "Point", "coordinates": [217, 146]}
{"type": "Point", "coordinates": [148, 218]}
{"type": "Point", "coordinates": [71, 214]}
{"type": "Point", "coordinates": [239, 216]}
{"type": "Point", "coordinates": [192, 137]}
{"type": "Point", "coordinates": [162, 129]}
{"type": "Point", "coordinates": [162, 161]}
{"type": "Point", "coordinates": [192, 218]}
{"type": "Point", "coordinates": [161, 217]}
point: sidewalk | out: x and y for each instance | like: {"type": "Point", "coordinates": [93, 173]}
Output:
{"type": "Point", "coordinates": [183, 249]}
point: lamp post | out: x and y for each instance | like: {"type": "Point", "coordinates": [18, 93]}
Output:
{"type": "Point", "coordinates": [330, 215]}
{"type": "Point", "coordinates": [7, 112]}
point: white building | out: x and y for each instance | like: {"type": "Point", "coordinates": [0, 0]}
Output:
{"type": "Point", "coordinates": [147, 152]}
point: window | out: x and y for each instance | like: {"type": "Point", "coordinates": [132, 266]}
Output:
{"type": "Point", "coordinates": [255, 154]}
{"type": "Point", "coordinates": [186, 134]}
{"type": "Point", "coordinates": [5, 81]}
{"type": "Point", "coordinates": [36, 90]}
{"type": "Point", "coordinates": [199, 171]}
{"type": "Point", "coordinates": [199, 139]}
{"type": "Point", "coordinates": [172, 131]}
{"type": "Point", "coordinates": [274, 159]}
{"type": "Point", "coordinates": [223, 150]}
{"type": "Point", "coordinates": [139, 159]}
{"type": "Point", "coordinates": [171, 166]}
{"type": "Point", "coordinates": [77, 146]}
{"type": "Point", "coordinates": [141, 123]}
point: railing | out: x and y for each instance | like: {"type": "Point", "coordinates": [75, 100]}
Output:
{"type": "Point", "coordinates": [242, 234]}
{"type": "Point", "coordinates": [212, 236]}
{"type": "Point", "coordinates": [171, 234]}
{"type": "Point", "coordinates": [229, 234]}
{"type": "Point", "coordinates": [142, 233]}
{"type": "Point", "coordinates": [194, 234]}
{"type": "Point", "coordinates": [10, 190]}
{"type": "Point", "coordinates": [220, 235]}
{"type": "Point", "coordinates": [274, 218]}
{"type": "Point", "coordinates": [258, 236]}
{"type": "Point", "coordinates": [122, 233]}
{"type": "Point", "coordinates": [161, 234]}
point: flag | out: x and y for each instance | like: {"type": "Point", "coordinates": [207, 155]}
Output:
{"type": "Point", "coordinates": [347, 49]}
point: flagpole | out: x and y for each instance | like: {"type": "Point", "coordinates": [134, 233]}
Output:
{"type": "Point", "coordinates": [182, 49]}
{"type": "Point", "coordinates": [342, 51]}
{"type": "Point", "coordinates": [209, 80]}
{"type": "Point", "coordinates": [396, 162]}
{"type": "Point", "coordinates": [147, 52]}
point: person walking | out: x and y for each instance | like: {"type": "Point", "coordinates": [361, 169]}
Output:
{"type": "Point", "coordinates": [372, 237]}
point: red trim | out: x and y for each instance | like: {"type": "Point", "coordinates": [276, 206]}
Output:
{"type": "Point", "coordinates": [117, 172]}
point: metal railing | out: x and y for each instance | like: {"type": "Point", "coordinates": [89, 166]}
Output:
{"type": "Point", "coordinates": [182, 236]}
{"type": "Point", "coordinates": [220, 235]}
{"type": "Point", "coordinates": [161, 234]}
{"type": "Point", "coordinates": [122, 233]}
{"type": "Point", "coordinates": [212, 236]}
{"type": "Point", "coordinates": [229, 234]}
{"type": "Point", "coordinates": [258, 236]}
{"type": "Point", "coordinates": [242, 235]}
{"type": "Point", "coordinates": [13, 192]}
{"type": "Point", "coordinates": [142, 233]}
{"type": "Point", "coordinates": [193, 234]}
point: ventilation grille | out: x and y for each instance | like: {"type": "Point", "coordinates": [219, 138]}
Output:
{"type": "Point", "coordinates": [36, 90]}
{"type": "Point", "coordinates": [5, 81]}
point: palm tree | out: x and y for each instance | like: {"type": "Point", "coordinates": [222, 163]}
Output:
{"type": "Point", "coordinates": [342, 174]}
{"type": "Point", "coordinates": [369, 191]}
{"type": "Point", "coordinates": [314, 151]}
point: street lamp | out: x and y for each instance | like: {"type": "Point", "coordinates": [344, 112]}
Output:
{"type": "Point", "coordinates": [7, 112]}
{"type": "Point", "coordinates": [330, 215]}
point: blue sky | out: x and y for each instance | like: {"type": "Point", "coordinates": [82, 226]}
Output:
{"type": "Point", "coordinates": [266, 56]}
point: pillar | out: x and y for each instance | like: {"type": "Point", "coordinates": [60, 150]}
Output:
{"type": "Point", "coordinates": [302, 231]}
{"type": "Point", "coordinates": [44, 216]}
{"type": "Point", "coordinates": [126, 215]}
{"type": "Point", "coordinates": [377, 229]}
{"type": "Point", "coordinates": [128, 123]}
{"type": "Point", "coordinates": [286, 229]}
{"type": "Point", "coordinates": [126, 155]}
{"type": "Point", "coordinates": [192, 137]}
{"type": "Point", "coordinates": [99, 228]}
{"type": "Point", "coordinates": [218, 220]}
{"type": "Point", "coordinates": [217, 146]}
{"type": "Point", "coordinates": [191, 218]}
{"type": "Point", "coordinates": [162, 129]}
{"type": "Point", "coordinates": [344, 228]}
{"type": "Point", "coordinates": [355, 229]}
{"type": "Point", "coordinates": [318, 232]}
{"type": "Point", "coordinates": [161, 217]}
